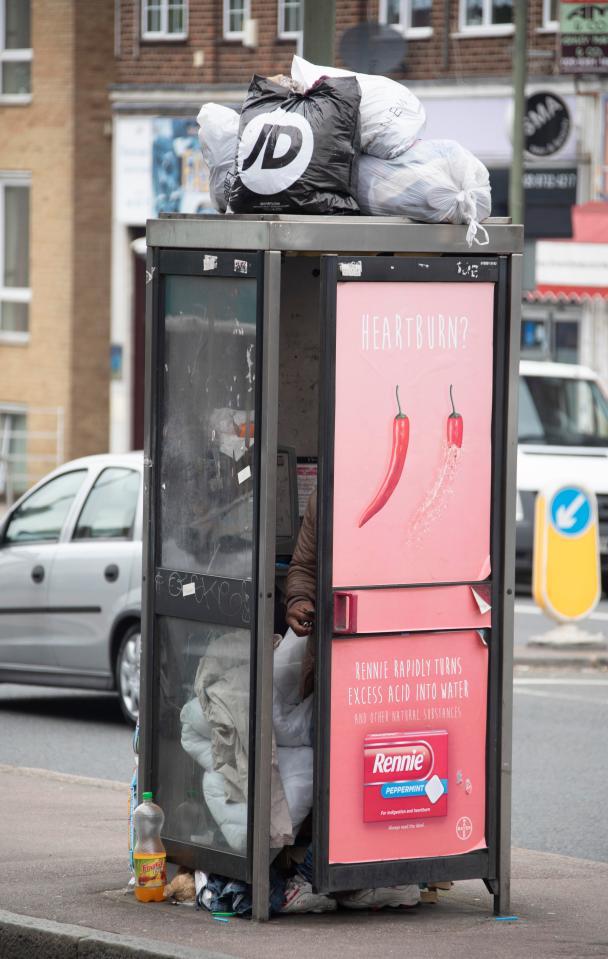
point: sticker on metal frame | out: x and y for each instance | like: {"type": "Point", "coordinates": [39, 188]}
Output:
{"type": "Point", "coordinates": [354, 268]}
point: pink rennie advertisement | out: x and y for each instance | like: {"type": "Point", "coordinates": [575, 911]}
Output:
{"type": "Point", "coordinates": [412, 433]}
{"type": "Point", "coordinates": [407, 748]}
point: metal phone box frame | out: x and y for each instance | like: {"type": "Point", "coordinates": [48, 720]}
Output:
{"type": "Point", "coordinates": [227, 299]}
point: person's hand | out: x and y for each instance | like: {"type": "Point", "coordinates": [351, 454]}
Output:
{"type": "Point", "coordinates": [301, 617]}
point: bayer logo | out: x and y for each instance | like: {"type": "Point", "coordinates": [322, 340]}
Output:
{"type": "Point", "coordinates": [464, 828]}
{"type": "Point", "coordinates": [571, 511]}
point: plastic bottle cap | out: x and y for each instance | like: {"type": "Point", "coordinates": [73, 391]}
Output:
{"type": "Point", "coordinates": [147, 797]}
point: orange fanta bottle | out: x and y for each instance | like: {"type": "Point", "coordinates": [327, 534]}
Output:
{"type": "Point", "coordinates": [149, 855]}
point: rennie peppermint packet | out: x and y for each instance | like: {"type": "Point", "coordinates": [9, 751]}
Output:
{"type": "Point", "coordinates": [405, 775]}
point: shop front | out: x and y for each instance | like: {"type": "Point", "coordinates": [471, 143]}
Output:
{"type": "Point", "coordinates": [568, 305]}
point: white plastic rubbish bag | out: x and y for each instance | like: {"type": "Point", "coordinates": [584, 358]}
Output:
{"type": "Point", "coordinates": [436, 181]}
{"type": "Point", "coordinates": [218, 136]}
{"type": "Point", "coordinates": [287, 666]}
{"type": "Point", "coordinates": [391, 116]}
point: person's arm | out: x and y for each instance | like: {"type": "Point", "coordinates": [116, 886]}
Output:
{"type": "Point", "coordinates": [302, 574]}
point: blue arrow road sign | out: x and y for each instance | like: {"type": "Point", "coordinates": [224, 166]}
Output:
{"type": "Point", "coordinates": [570, 511]}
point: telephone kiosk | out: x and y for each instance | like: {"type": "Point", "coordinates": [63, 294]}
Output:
{"type": "Point", "coordinates": [385, 353]}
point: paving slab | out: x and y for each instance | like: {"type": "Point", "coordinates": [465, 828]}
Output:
{"type": "Point", "coordinates": [63, 892]}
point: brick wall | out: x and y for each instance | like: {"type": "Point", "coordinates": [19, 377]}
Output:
{"type": "Point", "coordinates": [225, 61]}
{"type": "Point", "coordinates": [461, 58]}
{"type": "Point", "coordinates": [59, 139]}
{"type": "Point", "coordinates": [37, 138]}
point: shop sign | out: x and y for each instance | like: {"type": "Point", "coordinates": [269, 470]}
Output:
{"type": "Point", "coordinates": [584, 265]}
{"type": "Point", "coordinates": [549, 195]}
{"type": "Point", "coordinates": [583, 37]}
{"type": "Point", "coordinates": [133, 176]}
{"type": "Point", "coordinates": [551, 182]}
{"type": "Point", "coordinates": [546, 124]}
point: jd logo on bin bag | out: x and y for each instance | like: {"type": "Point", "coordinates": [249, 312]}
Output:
{"type": "Point", "coordinates": [274, 151]}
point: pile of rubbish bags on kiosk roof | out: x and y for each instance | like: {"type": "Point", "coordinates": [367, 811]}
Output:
{"type": "Point", "coordinates": [329, 141]}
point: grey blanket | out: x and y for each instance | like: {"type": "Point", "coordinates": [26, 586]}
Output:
{"type": "Point", "coordinates": [222, 685]}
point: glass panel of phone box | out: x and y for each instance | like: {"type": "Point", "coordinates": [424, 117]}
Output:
{"type": "Point", "coordinates": [206, 528]}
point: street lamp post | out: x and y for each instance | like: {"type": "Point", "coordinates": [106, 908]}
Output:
{"type": "Point", "coordinates": [516, 186]}
{"type": "Point", "coordinates": [319, 31]}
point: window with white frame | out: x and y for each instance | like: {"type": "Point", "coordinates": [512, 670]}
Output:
{"type": "Point", "coordinates": [164, 19]}
{"type": "Point", "coordinates": [550, 14]}
{"type": "Point", "coordinates": [13, 448]}
{"type": "Point", "coordinates": [290, 19]}
{"type": "Point", "coordinates": [15, 50]}
{"type": "Point", "coordinates": [15, 293]}
{"type": "Point", "coordinates": [236, 12]}
{"type": "Point", "coordinates": [492, 16]}
{"type": "Point", "coordinates": [411, 17]}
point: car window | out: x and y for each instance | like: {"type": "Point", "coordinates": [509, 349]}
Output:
{"type": "Point", "coordinates": [109, 510]}
{"type": "Point", "coordinates": [530, 424]}
{"type": "Point", "coordinates": [41, 516]}
{"type": "Point", "coordinates": [562, 411]}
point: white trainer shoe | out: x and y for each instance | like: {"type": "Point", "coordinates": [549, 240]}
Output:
{"type": "Point", "coordinates": [393, 896]}
{"type": "Point", "coordinates": [299, 897]}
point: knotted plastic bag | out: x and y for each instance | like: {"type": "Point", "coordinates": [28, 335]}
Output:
{"type": "Point", "coordinates": [391, 116]}
{"type": "Point", "coordinates": [218, 137]}
{"type": "Point", "coordinates": [436, 181]}
{"type": "Point", "coordinates": [297, 153]}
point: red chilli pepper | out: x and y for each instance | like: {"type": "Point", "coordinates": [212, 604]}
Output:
{"type": "Point", "coordinates": [401, 438]}
{"type": "Point", "coordinates": [455, 425]}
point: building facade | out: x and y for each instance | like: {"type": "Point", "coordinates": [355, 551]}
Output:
{"type": "Point", "coordinates": [55, 229]}
{"type": "Point", "coordinates": [175, 55]}
{"type": "Point", "coordinates": [98, 133]}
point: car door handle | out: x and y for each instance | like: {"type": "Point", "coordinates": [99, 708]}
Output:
{"type": "Point", "coordinates": [38, 574]}
{"type": "Point", "coordinates": [111, 573]}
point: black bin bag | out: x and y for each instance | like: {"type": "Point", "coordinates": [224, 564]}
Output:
{"type": "Point", "coordinates": [297, 153]}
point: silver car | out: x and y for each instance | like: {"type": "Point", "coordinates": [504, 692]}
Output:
{"type": "Point", "coordinates": [70, 579]}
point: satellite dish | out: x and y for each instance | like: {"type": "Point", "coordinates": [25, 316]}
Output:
{"type": "Point", "coordinates": [372, 48]}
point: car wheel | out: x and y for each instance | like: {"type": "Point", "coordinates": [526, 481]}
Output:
{"type": "Point", "coordinates": [127, 673]}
